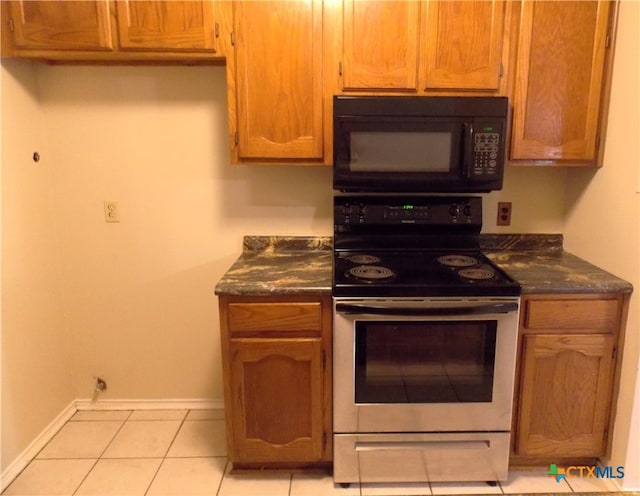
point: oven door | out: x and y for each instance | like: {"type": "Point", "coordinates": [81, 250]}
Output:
{"type": "Point", "coordinates": [433, 365]}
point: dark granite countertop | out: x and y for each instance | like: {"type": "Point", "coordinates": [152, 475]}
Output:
{"type": "Point", "coordinates": [540, 271]}
{"type": "Point", "coordinates": [280, 265]}
{"type": "Point", "coordinates": [298, 265]}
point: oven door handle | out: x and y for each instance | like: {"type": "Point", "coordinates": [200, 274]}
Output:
{"type": "Point", "coordinates": [493, 308]}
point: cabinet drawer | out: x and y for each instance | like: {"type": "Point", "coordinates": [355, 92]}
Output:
{"type": "Point", "coordinates": [597, 315]}
{"type": "Point", "coordinates": [249, 318]}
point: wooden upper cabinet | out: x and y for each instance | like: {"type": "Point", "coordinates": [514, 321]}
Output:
{"type": "Point", "coordinates": [463, 44]}
{"type": "Point", "coordinates": [381, 40]}
{"type": "Point", "coordinates": [408, 46]}
{"type": "Point", "coordinates": [69, 25]}
{"type": "Point", "coordinates": [559, 79]}
{"type": "Point", "coordinates": [112, 30]}
{"type": "Point", "coordinates": [166, 24]}
{"type": "Point", "coordinates": [278, 80]}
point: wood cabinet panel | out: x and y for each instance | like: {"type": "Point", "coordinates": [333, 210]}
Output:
{"type": "Point", "coordinates": [277, 384]}
{"type": "Point", "coordinates": [276, 394]}
{"type": "Point", "coordinates": [381, 40]}
{"type": "Point", "coordinates": [275, 317]}
{"type": "Point", "coordinates": [463, 44]}
{"type": "Point", "coordinates": [166, 24]}
{"type": "Point", "coordinates": [592, 315]}
{"type": "Point", "coordinates": [565, 394]}
{"type": "Point", "coordinates": [278, 80]}
{"type": "Point", "coordinates": [559, 80]}
{"type": "Point", "coordinates": [422, 46]}
{"type": "Point", "coordinates": [69, 25]}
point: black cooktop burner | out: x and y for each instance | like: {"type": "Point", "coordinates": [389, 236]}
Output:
{"type": "Point", "coordinates": [421, 273]}
{"type": "Point", "coordinates": [370, 273]}
{"type": "Point", "coordinates": [478, 273]}
{"type": "Point", "coordinates": [363, 259]}
{"type": "Point", "coordinates": [457, 260]}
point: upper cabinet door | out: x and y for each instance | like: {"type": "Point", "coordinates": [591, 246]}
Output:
{"type": "Point", "coordinates": [278, 80]}
{"type": "Point", "coordinates": [463, 44]}
{"type": "Point", "coordinates": [68, 25]}
{"type": "Point", "coordinates": [166, 24]}
{"type": "Point", "coordinates": [559, 78]}
{"type": "Point", "coordinates": [381, 40]}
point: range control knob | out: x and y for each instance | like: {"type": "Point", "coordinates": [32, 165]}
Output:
{"type": "Point", "coordinates": [467, 210]}
{"type": "Point", "coordinates": [454, 210]}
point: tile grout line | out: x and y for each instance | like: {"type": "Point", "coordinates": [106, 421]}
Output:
{"type": "Point", "coordinates": [114, 436]}
{"type": "Point", "coordinates": [184, 419]}
{"type": "Point", "coordinates": [124, 421]}
{"type": "Point", "coordinates": [164, 457]}
{"type": "Point", "coordinates": [154, 476]}
{"type": "Point", "coordinates": [75, 491]}
{"type": "Point", "coordinates": [224, 473]}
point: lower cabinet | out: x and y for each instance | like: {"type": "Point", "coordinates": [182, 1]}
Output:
{"type": "Point", "coordinates": [277, 379]}
{"type": "Point", "coordinates": [567, 361]}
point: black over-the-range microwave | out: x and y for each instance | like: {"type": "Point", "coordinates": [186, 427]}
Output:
{"type": "Point", "coordinates": [418, 144]}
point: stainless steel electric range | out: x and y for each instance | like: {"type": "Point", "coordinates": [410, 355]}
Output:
{"type": "Point", "coordinates": [425, 331]}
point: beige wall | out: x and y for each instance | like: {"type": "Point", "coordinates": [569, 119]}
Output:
{"type": "Point", "coordinates": [36, 359]}
{"type": "Point", "coordinates": [142, 312]}
{"type": "Point", "coordinates": [141, 308]}
{"type": "Point", "coordinates": [602, 222]}
{"type": "Point", "coordinates": [138, 295]}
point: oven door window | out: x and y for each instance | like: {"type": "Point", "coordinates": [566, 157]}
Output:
{"type": "Point", "coordinates": [424, 362]}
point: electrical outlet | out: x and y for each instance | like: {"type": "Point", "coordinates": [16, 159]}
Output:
{"type": "Point", "coordinates": [111, 211]}
{"type": "Point", "coordinates": [504, 214]}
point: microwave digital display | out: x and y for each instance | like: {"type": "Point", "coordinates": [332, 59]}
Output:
{"type": "Point", "coordinates": [400, 151]}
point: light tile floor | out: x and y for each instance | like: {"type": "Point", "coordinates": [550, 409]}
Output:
{"type": "Point", "coordinates": [182, 452]}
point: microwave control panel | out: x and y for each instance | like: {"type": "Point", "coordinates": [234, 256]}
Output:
{"type": "Point", "coordinates": [486, 150]}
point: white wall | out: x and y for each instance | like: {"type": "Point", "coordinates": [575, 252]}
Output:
{"type": "Point", "coordinates": [602, 223]}
{"type": "Point", "coordinates": [36, 358]}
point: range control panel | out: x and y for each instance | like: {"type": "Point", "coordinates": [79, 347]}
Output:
{"type": "Point", "coordinates": [383, 211]}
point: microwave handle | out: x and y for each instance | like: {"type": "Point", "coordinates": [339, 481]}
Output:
{"type": "Point", "coordinates": [467, 148]}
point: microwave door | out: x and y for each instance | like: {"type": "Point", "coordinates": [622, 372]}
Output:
{"type": "Point", "coordinates": [385, 154]}
{"type": "Point", "coordinates": [426, 152]}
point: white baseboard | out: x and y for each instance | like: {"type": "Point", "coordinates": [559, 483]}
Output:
{"type": "Point", "coordinates": [20, 463]}
{"type": "Point", "coordinates": [164, 404]}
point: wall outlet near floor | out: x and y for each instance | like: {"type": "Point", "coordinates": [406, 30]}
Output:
{"type": "Point", "coordinates": [504, 214]}
{"type": "Point", "coordinates": [111, 211]}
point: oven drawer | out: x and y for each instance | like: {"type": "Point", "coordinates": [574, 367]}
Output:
{"type": "Point", "coordinates": [417, 457]}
